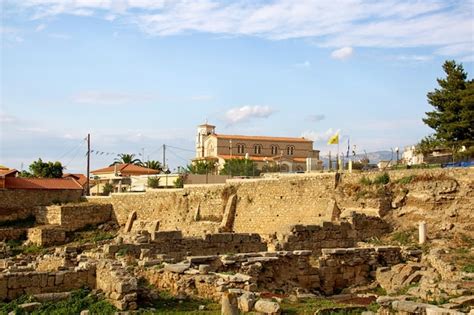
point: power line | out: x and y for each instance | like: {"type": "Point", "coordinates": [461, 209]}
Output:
{"type": "Point", "coordinates": [178, 156]}
{"type": "Point", "coordinates": [73, 149]}
{"type": "Point", "coordinates": [182, 149]}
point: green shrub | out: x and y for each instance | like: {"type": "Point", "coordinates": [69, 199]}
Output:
{"type": "Point", "coordinates": [153, 182]}
{"type": "Point", "coordinates": [403, 237]}
{"type": "Point", "coordinates": [108, 189]}
{"type": "Point", "coordinates": [365, 181]}
{"type": "Point", "coordinates": [179, 182]}
{"type": "Point", "coordinates": [382, 179]}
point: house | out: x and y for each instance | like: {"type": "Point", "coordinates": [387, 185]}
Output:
{"type": "Point", "coordinates": [439, 155]}
{"type": "Point", "coordinates": [288, 154]}
{"type": "Point", "coordinates": [119, 176]}
{"type": "Point", "coordinates": [80, 178]}
{"type": "Point", "coordinates": [42, 183]}
{"type": "Point", "coordinates": [6, 173]}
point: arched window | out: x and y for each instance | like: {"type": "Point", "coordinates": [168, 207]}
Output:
{"type": "Point", "coordinates": [290, 150]}
{"type": "Point", "coordinates": [274, 149]}
{"type": "Point", "coordinates": [240, 148]}
{"type": "Point", "coordinates": [257, 149]}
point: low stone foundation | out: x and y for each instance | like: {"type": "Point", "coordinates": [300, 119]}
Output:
{"type": "Point", "coordinates": [172, 244]}
{"type": "Point", "coordinates": [46, 235]}
{"type": "Point", "coordinates": [284, 271]}
{"type": "Point", "coordinates": [119, 287]}
{"type": "Point", "coordinates": [14, 285]}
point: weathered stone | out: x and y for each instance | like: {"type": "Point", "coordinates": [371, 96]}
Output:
{"type": "Point", "coordinates": [267, 307]}
{"type": "Point", "coordinates": [177, 268]}
{"type": "Point", "coordinates": [229, 304]}
{"type": "Point", "coordinates": [29, 307]}
{"type": "Point", "coordinates": [246, 302]}
{"type": "Point", "coordinates": [132, 217]}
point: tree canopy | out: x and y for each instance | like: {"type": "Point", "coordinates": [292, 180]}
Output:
{"type": "Point", "coordinates": [201, 167]}
{"type": "Point", "coordinates": [126, 159]}
{"type": "Point", "coordinates": [240, 167]}
{"type": "Point", "coordinates": [44, 169]}
{"type": "Point", "coordinates": [154, 165]}
{"type": "Point", "coordinates": [453, 116]}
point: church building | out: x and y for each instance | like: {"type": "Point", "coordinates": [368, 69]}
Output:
{"type": "Point", "coordinates": [284, 153]}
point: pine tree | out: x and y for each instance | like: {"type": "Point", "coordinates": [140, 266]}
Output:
{"type": "Point", "coordinates": [453, 114]}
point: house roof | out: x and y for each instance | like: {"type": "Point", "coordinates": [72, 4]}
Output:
{"type": "Point", "coordinates": [5, 172]}
{"type": "Point", "coordinates": [262, 138]}
{"type": "Point", "coordinates": [80, 178]}
{"type": "Point", "coordinates": [126, 169]}
{"type": "Point", "coordinates": [42, 183]}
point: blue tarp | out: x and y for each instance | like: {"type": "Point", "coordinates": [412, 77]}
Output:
{"type": "Point", "coordinates": [459, 164]}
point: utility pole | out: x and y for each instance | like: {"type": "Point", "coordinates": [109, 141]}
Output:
{"type": "Point", "coordinates": [164, 156]}
{"type": "Point", "coordinates": [88, 163]}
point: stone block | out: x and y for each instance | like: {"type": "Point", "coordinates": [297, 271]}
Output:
{"type": "Point", "coordinates": [267, 307]}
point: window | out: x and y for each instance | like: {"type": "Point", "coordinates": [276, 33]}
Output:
{"type": "Point", "coordinates": [257, 149]}
{"type": "Point", "coordinates": [274, 149]}
{"type": "Point", "coordinates": [240, 148]}
{"type": "Point", "coordinates": [290, 150]}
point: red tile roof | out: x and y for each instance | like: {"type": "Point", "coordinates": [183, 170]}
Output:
{"type": "Point", "coordinates": [80, 178]}
{"type": "Point", "coordinates": [126, 169]}
{"type": "Point", "coordinates": [5, 172]}
{"type": "Point", "coordinates": [262, 138]}
{"type": "Point", "coordinates": [41, 183]}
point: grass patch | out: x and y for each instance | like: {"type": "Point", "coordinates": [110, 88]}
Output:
{"type": "Point", "coordinates": [80, 300]}
{"type": "Point", "coordinates": [17, 247]}
{"type": "Point", "coordinates": [90, 234]}
{"type": "Point", "coordinates": [403, 238]}
{"type": "Point", "coordinates": [468, 268]}
{"type": "Point", "coordinates": [168, 304]}
{"type": "Point", "coordinates": [406, 180]}
{"type": "Point", "coordinates": [310, 306]}
{"type": "Point", "coordinates": [365, 181]}
{"type": "Point", "coordinates": [382, 179]}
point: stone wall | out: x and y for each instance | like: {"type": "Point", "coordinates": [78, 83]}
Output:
{"type": "Point", "coordinates": [14, 285]}
{"type": "Point", "coordinates": [7, 234]}
{"type": "Point", "coordinates": [281, 271]}
{"type": "Point", "coordinates": [74, 216]}
{"type": "Point", "coordinates": [119, 287]}
{"type": "Point", "coordinates": [273, 205]}
{"type": "Point", "coordinates": [173, 245]}
{"type": "Point", "coordinates": [19, 203]}
{"type": "Point", "coordinates": [46, 235]}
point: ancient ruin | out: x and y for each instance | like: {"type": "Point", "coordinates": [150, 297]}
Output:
{"type": "Point", "coordinates": [302, 243]}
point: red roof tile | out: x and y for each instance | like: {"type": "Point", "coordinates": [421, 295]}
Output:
{"type": "Point", "coordinates": [5, 172]}
{"type": "Point", "coordinates": [126, 169]}
{"type": "Point", "coordinates": [262, 138]}
{"type": "Point", "coordinates": [80, 178]}
{"type": "Point", "coordinates": [41, 183]}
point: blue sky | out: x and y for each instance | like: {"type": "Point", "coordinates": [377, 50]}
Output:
{"type": "Point", "coordinates": [140, 73]}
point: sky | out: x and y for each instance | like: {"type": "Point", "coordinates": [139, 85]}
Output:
{"type": "Point", "coordinates": [137, 74]}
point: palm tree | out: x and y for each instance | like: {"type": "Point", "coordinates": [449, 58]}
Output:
{"type": "Point", "coordinates": [127, 159]}
{"type": "Point", "coordinates": [154, 165]}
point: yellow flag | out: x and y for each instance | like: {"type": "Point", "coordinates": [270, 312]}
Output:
{"type": "Point", "coordinates": [334, 139]}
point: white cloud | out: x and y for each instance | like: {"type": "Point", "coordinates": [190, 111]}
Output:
{"type": "Point", "coordinates": [319, 136]}
{"type": "Point", "coordinates": [109, 98]}
{"type": "Point", "coordinates": [7, 119]}
{"type": "Point", "coordinates": [316, 118]}
{"type": "Point", "coordinates": [437, 24]}
{"type": "Point", "coordinates": [342, 53]}
{"type": "Point", "coordinates": [202, 98]}
{"type": "Point", "coordinates": [245, 113]}
{"type": "Point", "coordinates": [59, 36]}
{"type": "Point", "coordinates": [305, 64]}
{"type": "Point", "coordinates": [40, 27]}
